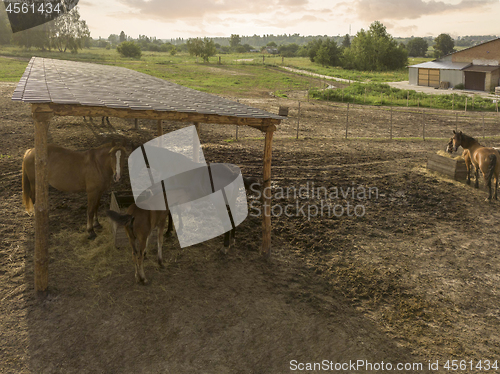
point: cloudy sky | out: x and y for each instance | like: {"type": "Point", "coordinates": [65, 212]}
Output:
{"type": "Point", "coordinates": [192, 18]}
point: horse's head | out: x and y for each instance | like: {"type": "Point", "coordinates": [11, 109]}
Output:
{"type": "Point", "coordinates": [457, 139]}
{"type": "Point", "coordinates": [118, 155]}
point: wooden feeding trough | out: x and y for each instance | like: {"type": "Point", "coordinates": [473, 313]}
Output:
{"type": "Point", "coordinates": [452, 167]}
{"type": "Point", "coordinates": [120, 201]}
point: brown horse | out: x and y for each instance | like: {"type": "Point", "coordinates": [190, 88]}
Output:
{"type": "Point", "coordinates": [483, 158]}
{"type": "Point", "coordinates": [139, 224]}
{"type": "Point", "coordinates": [88, 171]}
{"type": "Point", "coordinates": [467, 159]}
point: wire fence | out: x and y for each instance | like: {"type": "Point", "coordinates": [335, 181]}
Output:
{"type": "Point", "coordinates": [353, 121]}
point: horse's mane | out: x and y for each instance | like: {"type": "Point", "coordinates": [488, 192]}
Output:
{"type": "Point", "coordinates": [469, 138]}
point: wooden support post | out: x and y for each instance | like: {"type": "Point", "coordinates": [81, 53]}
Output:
{"type": "Point", "coordinates": [196, 153]}
{"type": "Point", "coordinates": [298, 122]}
{"type": "Point", "coordinates": [347, 121]}
{"type": "Point", "coordinates": [159, 128]}
{"type": "Point", "coordinates": [42, 118]}
{"type": "Point", "coordinates": [266, 217]}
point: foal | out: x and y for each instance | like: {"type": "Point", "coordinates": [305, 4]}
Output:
{"type": "Point", "coordinates": [483, 158]}
{"type": "Point", "coordinates": [139, 224]}
{"type": "Point", "coordinates": [467, 159]}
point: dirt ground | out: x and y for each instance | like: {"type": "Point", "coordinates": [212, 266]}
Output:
{"type": "Point", "coordinates": [414, 279]}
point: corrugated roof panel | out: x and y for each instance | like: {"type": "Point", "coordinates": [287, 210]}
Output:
{"type": "Point", "coordinates": [81, 83]}
{"type": "Point", "coordinates": [446, 65]}
{"type": "Point", "coordinates": [482, 68]}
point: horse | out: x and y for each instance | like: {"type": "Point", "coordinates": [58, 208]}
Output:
{"type": "Point", "coordinates": [139, 224]}
{"type": "Point", "coordinates": [467, 159]}
{"type": "Point", "coordinates": [485, 159]}
{"type": "Point", "coordinates": [88, 171]}
{"type": "Point", "coordinates": [103, 118]}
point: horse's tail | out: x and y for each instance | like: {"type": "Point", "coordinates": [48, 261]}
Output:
{"type": "Point", "coordinates": [491, 168]}
{"type": "Point", "coordinates": [27, 202]}
{"type": "Point", "coordinates": [120, 219]}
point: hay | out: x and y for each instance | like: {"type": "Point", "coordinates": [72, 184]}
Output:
{"type": "Point", "coordinates": [448, 155]}
{"type": "Point", "coordinates": [97, 258]}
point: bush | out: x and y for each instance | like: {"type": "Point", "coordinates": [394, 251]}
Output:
{"type": "Point", "coordinates": [129, 49]}
{"type": "Point", "coordinates": [459, 86]}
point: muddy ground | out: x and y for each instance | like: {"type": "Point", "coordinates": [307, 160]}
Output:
{"type": "Point", "coordinates": [415, 279]}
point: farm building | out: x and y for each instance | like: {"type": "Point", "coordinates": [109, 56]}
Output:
{"type": "Point", "coordinates": [477, 68]}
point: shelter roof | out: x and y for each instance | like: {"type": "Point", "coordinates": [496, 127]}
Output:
{"type": "Point", "coordinates": [444, 65]}
{"type": "Point", "coordinates": [87, 84]}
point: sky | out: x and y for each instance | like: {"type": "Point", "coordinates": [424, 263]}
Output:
{"type": "Point", "coordinates": [167, 19]}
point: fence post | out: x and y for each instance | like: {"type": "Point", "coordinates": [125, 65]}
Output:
{"type": "Point", "coordinates": [364, 100]}
{"type": "Point", "coordinates": [483, 126]}
{"type": "Point", "coordinates": [453, 102]}
{"type": "Point", "coordinates": [136, 123]}
{"type": "Point", "coordinates": [466, 104]}
{"type": "Point", "coordinates": [298, 122]}
{"type": "Point", "coordinates": [423, 126]}
{"type": "Point", "coordinates": [418, 102]}
{"type": "Point", "coordinates": [456, 121]}
{"type": "Point", "coordinates": [472, 106]}
{"type": "Point", "coordinates": [391, 122]}
{"type": "Point", "coordinates": [407, 98]}
{"type": "Point", "coordinates": [347, 121]}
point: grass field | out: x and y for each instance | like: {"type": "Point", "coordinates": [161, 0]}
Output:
{"type": "Point", "coordinates": [237, 73]}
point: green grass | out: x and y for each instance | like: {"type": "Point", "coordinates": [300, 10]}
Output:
{"type": "Point", "coordinates": [232, 77]}
{"type": "Point", "coordinates": [383, 94]}
{"type": "Point", "coordinates": [11, 70]}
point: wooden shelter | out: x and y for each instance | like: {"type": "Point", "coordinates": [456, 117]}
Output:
{"type": "Point", "coordinates": [67, 88]}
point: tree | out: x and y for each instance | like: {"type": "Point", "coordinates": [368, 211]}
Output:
{"type": "Point", "coordinates": [129, 49]}
{"type": "Point", "coordinates": [346, 42]}
{"type": "Point", "coordinates": [417, 47]}
{"type": "Point", "coordinates": [312, 48]}
{"type": "Point", "coordinates": [113, 39]}
{"type": "Point", "coordinates": [289, 50]}
{"type": "Point", "coordinates": [443, 45]}
{"type": "Point", "coordinates": [328, 53]}
{"type": "Point", "coordinates": [234, 41]}
{"type": "Point", "coordinates": [194, 46]}
{"type": "Point", "coordinates": [122, 37]}
{"type": "Point", "coordinates": [374, 49]}
{"type": "Point", "coordinates": [209, 49]}
{"type": "Point", "coordinates": [69, 32]}
{"type": "Point", "coordinates": [204, 48]}
{"type": "Point", "coordinates": [5, 31]}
